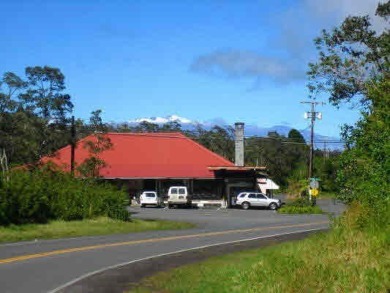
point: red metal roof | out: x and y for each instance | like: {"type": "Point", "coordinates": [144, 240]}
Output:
{"type": "Point", "coordinates": [148, 155]}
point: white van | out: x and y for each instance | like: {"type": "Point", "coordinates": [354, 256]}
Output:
{"type": "Point", "coordinates": [178, 196]}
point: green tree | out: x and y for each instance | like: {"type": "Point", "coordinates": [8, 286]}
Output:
{"type": "Point", "coordinates": [354, 62]}
{"type": "Point", "coordinates": [218, 139]}
{"type": "Point", "coordinates": [44, 95]}
{"type": "Point", "coordinates": [365, 168]}
{"type": "Point", "coordinates": [349, 57]}
{"type": "Point", "coordinates": [295, 136]}
{"type": "Point", "coordinates": [145, 126]}
{"type": "Point", "coordinates": [12, 84]}
{"type": "Point", "coordinates": [34, 113]}
{"type": "Point", "coordinates": [45, 98]}
{"type": "Point", "coordinates": [97, 144]}
{"type": "Point", "coordinates": [279, 154]}
{"type": "Point", "coordinates": [171, 126]}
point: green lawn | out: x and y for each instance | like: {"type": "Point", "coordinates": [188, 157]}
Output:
{"type": "Point", "coordinates": [339, 261]}
{"type": "Point", "coordinates": [98, 226]}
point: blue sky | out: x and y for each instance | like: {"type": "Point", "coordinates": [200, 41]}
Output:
{"type": "Point", "coordinates": [234, 60]}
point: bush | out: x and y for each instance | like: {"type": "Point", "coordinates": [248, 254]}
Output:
{"type": "Point", "coordinates": [300, 202]}
{"type": "Point", "coordinates": [300, 206]}
{"type": "Point", "coordinates": [41, 195]}
{"type": "Point", "coordinates": [300, 210]}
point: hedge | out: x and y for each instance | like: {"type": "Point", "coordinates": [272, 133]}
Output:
{"type": "Point", "coordinates": [41, 195]}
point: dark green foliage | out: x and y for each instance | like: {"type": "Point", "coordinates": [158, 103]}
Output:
{"type": "Point", "coordinates": [34, 114]}
{"type": "Point", "coordinates": [350, 56]}
{"type": "Point", "coordinates": [300, 202]}
{"type": "Point", "coordinates": [279, 154]}
{"type": "Point", "coordinates": [300, 206]}
{"type": "Point", "coordinates": [218, 139]}
{"type": "Point", "coordinates": [326, 165]}
{"type": "Point", "coordinates": [354, 61]}
{"type": "Point", "coordinates": [295, 136]}
{"type": "Point", "coordinates": [41, 195]}
{"type": "Point", "coordinates": [97, 144]}
{"type": "Point", "coordinates": [300, 210]}
{"type": "Point", "coordinates": [365, 168]}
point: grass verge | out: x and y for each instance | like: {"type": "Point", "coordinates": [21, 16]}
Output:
{"type": "Point", "coordinates": [343, 260]}
{"type": "Point", "coordinates": [98, 226]}
{"type": "Point", "coordinates": [300, 206]}
{"type": "Point", "coordinates": [287, 209]}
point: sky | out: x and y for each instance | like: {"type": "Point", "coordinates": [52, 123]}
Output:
{"type": "Point", "coordinates": [207, 60]}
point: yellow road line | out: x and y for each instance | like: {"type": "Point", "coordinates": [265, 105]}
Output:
{"type": "Point", "coordinates": [133, 242]}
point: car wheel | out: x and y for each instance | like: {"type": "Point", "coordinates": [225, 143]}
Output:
{"type": "Point", "coordinates": [142, 205]}
{"type": "Point", "coordinates": [245, 205]}
{"type": "Point", "coordinates": [273, 206]}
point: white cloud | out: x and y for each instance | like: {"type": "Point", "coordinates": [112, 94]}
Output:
{"type": "Point", "coordinates": [297, 26]}
{"type": "Point", "coordinates": [241, 63]}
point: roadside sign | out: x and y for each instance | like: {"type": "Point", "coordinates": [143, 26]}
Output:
{"type": "Point", "coordinates": [314, 184]}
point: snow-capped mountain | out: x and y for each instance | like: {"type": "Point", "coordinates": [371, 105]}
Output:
{"type": "Point", "coordinates": [163, 120]}
{"type": "Point", "coordinates": [250, 129]}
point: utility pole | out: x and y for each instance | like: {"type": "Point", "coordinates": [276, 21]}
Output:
{"type": "Point", "coordinates": [312, 115]}
{"type": "Point", "coordinates": [72, 145]}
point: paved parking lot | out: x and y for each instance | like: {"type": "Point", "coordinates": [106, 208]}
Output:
{"type": "Point", "coordinates": [222, 219]}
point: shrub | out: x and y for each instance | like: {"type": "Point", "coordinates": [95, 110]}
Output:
{"type": "Point", "coordinates": [300, 206]}
{"type": "Point", "coordinates": [300, 210]}
{"type": "Point", "coordinates": [41, 195]}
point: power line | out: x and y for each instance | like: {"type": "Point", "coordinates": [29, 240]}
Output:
{"type": "Point", "coordinates": [285, 140]}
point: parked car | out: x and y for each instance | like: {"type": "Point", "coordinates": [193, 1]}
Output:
{"type": "Point", "coordinates": [150, 198]}
{"type": "Point", "coordinates": [256, 199]}
{"type": "Point", "coordinates": [178, 196]}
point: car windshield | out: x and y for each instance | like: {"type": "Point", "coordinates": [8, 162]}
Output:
{"type": "Point", "coordinates": [182, 191]}
{"type": "Point", "coordinates": [150, 194]}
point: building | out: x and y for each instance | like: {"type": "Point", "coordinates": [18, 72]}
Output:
{"type": "Point", "coordinates": [156, 161]}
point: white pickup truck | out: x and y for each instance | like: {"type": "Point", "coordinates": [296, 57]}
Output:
{"type": "Point", "coordinates": [178, 196]}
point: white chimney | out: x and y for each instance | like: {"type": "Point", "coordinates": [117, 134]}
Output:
{"type": "Point", "coordinates": [239, 143]}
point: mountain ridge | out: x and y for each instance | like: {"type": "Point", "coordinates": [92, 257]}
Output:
{"type": "Point", "coordinates": [330, 142]}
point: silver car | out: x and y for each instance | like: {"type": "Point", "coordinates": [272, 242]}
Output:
{"type": "Point", "coordinates": [257, 199]}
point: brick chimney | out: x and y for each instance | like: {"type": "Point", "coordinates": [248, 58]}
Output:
{"type": "Point", "coordinates": [239, 143]}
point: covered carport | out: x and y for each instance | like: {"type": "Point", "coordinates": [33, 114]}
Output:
{"type": "Point", "coordinates": [237, 179]}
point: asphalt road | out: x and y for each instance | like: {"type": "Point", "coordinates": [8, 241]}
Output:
{"type": "Point", "coordinates": [51, 265]}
